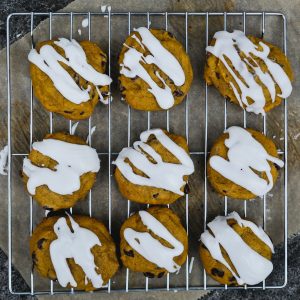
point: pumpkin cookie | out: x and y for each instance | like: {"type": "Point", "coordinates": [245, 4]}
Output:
{"type": "Point", "coordinates": [60, 170]}
{"type": "Point", "coordinates": [155, 170]}
{"type": "Point", "coordinates": [235, 251]}
{"type": "Point", "coordinates": [68, 77]}
{"type": "Point", "coordinates": [243, 164]}
{"type": "Point", "coordinates": [154, 242]}
{"type": "Point", "coordinates": [156, 72]}
{"type": "Point", "coordinates": [248, 71]}
{"type": "Point", "coordinates": [76, 251]}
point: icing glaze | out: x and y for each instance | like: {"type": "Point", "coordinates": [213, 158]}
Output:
{"type": "Point", "coordinates": [245, 154]}
{"type": "Point", "coordinates": [73, 128]}
{"type": "Point", "coordinates": [3, 160]}
{"type": "Point", "coordinates": [150, 248]}
{"type": "Point", "coordinates": [47, 60]}
{"type": "Point", "coordinates": [251, 267]}
{"type": "Point", "coordinates": [227, 47]}
{"type": "Point", "coordinates": [76, 244]}
{"type": "Point", "coordinates": [85, 23]}
{"type": "Point", "coordinates": [133, 61]}
{"type": "Point", "coordinates": [89, 137]}
{"type": "Point", "coordinates": [73, 161]}
{"type": "Point", "coordinates": [168, 176]}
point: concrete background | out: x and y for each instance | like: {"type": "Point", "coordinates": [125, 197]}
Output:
{"type": "Point", "coordinates": [20, 100]}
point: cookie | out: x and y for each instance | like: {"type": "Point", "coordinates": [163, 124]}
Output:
{"type": "Point", "coordinates": [236, 251]}
{"type": "Point", "coordinates": [77, 251]}
{"type": "Point", "coordinates": [68, 77]}
{"type": "Point", "coordinates": [153, 242]}
{"type": "Point", "coordinates": [60, 170]}
{"type": "Point", "coordinates": [243, 164]}
{"type": "Point", "coordinates": [248, 71]}
{"type": "Point", "coordinates": [155, 70]}
{"type": "Point", "coordinates": [155, 170]}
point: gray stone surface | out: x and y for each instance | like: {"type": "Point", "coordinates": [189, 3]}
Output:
{"type": "Point", "coordinates": [20, 100]}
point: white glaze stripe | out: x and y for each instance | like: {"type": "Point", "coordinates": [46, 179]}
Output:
{"type": "Point", "coordinates": [251, 267]}
{"type": "Point", "coordinates": [133, 61]}
{"type": "Point", "coordinates": [150, 248]}
{"type": "Point", "coordinates": [48, 60]}
{"type": "Point", "coordinates": [245, 154]}
{"type": "Point", "coordinates": [227, 46]}
{"type": "Point", "coordinates": [73, 161]}
{"type": "Point", "coordinates": [76, 244]}
{"type": "Point", "coordinates": [164, 175]}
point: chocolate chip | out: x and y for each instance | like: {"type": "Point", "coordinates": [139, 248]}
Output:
{"type": "Point", "coordinates": [134, 78]}
{"type": "Point", "coordinates": [103, 64]}
{"type": "Point", "coordinates": [187, 189]}
{"type": "Point", "coordinates": [149, 275]}
{"type": "Point", "coordinates": [224, 191]}
{"type": "Point", "coordinates": [67, 112]}
{"type": "Point", "coordinates": [232, 279]}
{"type": "Point", "coordinates": [177, 93]}
{"type": "Point", "coordinates": [277, 167]}
{"type": "Point", "coordinates": [129, 253]}
{"type": "Point", "coordinates": [218, 75]}
{"type": "Point", "coordinates": [122, 88]}
{"type": "Point", "coordinates": [155, 195]}
{"type": "Point", "coordinates": [170, 34]}
{"type": "Point", "coordinates": [217, 272]}
{"type": "Point", "coordinates": [81, 113]}
{"type": "Point", "coordinates": [40, 243]}
{"type": "Point", "coordinates": [161, 274]}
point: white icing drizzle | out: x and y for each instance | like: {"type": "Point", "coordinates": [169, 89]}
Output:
{"type": "Point", "coordinates": [251, 267]}
{"type": "Point", "coordinates": [73, 161]}
{"type": "Point", "coordinates": [85, 22]}
{"type": "Point", "coordinates": [150, 248]}
{"type": "Point", "coordinates": [168, 176]}
{"type": "Point", "coordinates": [74, 127]}
{"type": "Point", "coordinates": [76, 244]}
{"type": "Point", "coordinates": [225, 47]}
{"type": "Point", "coordinates": [132, 66]}
{"type": "Point", "coordinates": [93, 129]}
{"type": "Point", "coordinates": [3, 160]}
{"type": "Point", "coordinates": [245, 154]}
{"type": "Point", "coordinates": [48, 61]}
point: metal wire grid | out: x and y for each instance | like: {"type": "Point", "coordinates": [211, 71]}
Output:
{"type": "Point", "coordinates": [109, 153]}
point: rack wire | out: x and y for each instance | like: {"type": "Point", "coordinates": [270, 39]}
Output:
{"type": "Point", "coordinates": [202, 154]}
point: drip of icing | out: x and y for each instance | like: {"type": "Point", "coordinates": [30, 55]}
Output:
{"type": "Point", "coordinates": [226, 45]}
{"type": "Point", "coordinates": [89, 137]}
{"type": "Point", "coordinates": [251, 267]}
{"type": "Point", "coordinates": [245, 154]}
{"type": "Point", "coordinates": [73, 128]}
{"type": "Point", "coordinates": [162, 58]}
{"type": "Point", "coordinates": [76, 244]}
{"type": "Point", "coordinates": [85, 23]}
{"type": "Point", "coordinates": [3, 160]}
{"type": "Point", "coordinates": [150, 248]}
{"type": "Point", "coordinates": [73, 161]}
{"type": "Point", "coordinates": [48, 61]}
{"type": "Point", "coordinates": [168, 176]}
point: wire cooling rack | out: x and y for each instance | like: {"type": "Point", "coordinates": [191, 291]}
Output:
{"type": "Point", "coordinates": [201, 154]}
